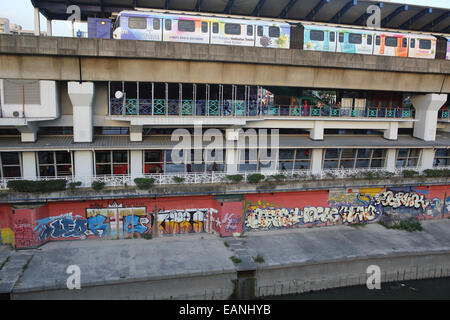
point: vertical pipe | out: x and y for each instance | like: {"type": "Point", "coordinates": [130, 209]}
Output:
{"type": "Point", "coordinates": [167, 99]}
{"type": "Point", "coordinates": [153, 98]}
{"type": "Point", "coordinates": [138, 101]}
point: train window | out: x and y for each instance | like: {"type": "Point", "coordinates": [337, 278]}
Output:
{"type": "Point", "coordinates": [249, 30]}
{"type": "Point", "coordinates": [369, 39]}
{"type": "Point", "coordinates": [274, 32]}
{"type": "Point", "coordinates": [137, 23]}
{"type": "Point", "coordinates": [355, 38]}
{"type": "Point", "coordinates": [232, 28]}
{"type": "Point", "coordinates": [391, 42]}
{"type": "Point", "coordinates": [413, 43]}
{"type": "Point", "coordinates": [378, 40]}
{"type": "Point", "coordinates": [186, 25]}
{"type": "Point", "coordinates": [156, 24]}
{"type": "Point", "coordinates": [204, 26]}
{"type": "Point", "coordinates": [425, 44]}
{"type": "Point", "coordinates": [341, 37]}
{"type": "Point", "coordinates": [215, 27]}
{"type": "Point", "coordinates": [316, 35]}
{"type": "Point", "coordinates": [332, 37]}
{"type": "Point", "coordinates": [168, 24]}
{"type": "Point", "coordinates": [260, 31]}
{"type": "Point", "coordinates": [404, 42]}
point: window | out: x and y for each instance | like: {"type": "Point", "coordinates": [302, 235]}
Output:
{"type": "Point", "coordinates": [260, 31]}
{"type": "Point", "coordinates": [442, 157]}
{"type": "Point", "coordinates": [425, 44]}
{"type": "Point", "coordinates": [413, 43]}
{"type": "Point", "coordinates": [204, 26]}
{"type": "Point", "coordinates": [111, 162]}
{"type": "Point", "coordinates": [156, 24]}
{"type": "Point", "coordinates": [10, 164]}
{"type": "Point", "coordinates": [54, 163]}
{"type": "Point", "coordinates": [408, 157]}
{"type": "Point", "coordinates": [274, 32]}
{"type": "Point", "coordinates": [348, 158]}
{"type": "Point", "coordinates": [369, 39]}
{"type": "Point", "coordinates": [232, 28]}
{"type": "Point", "coordinates": [391, 42]}
{"type": "Point", "coordinates": [168, 24]}
{"type": "Point", "coordinates": [293, 159]}
{"type": "Point", "coordinates": [355, 38]}
{"type": "Point", "coordinates": [378, 40]}
{"type": "Point", "coordinates": [332, 37]}
{"type": "Point", "coordinates": [153, 161]}
{"type": "Point", "coordinates": [137, 23]}
{"type": "Point", "coordinates": [215, 27]}
{"type": "Point", "coordinates": [171, 166]}
{"type": "Point", "coordinates": [250, 31]}
{"type": "Point", "coordinates": [186, 25]}
{"type": "Point", "coordinates": [404, 42]}
{"type": "Point", "coordinates": [113, 131]}
{"type": "Point", "coordinates": [341, 37]}
{"type": "Point", "coordinates": [316, 35]}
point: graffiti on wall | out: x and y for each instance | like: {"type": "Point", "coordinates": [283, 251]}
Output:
{"type": "Point", "coordinates": [182, 221]}
{"type": "Point", "coordinates": [62, 226]}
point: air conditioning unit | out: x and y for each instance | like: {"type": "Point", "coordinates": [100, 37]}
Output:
{"type": "Point", "coordinates": [16, 114]}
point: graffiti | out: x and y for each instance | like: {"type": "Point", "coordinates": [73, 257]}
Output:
{"type": "Point", "coordinates": [402, 199]}
{"type": "Point", "coordinates": [23, 233]}
{"type": "Point", "coordinates": [62, 226]}
{"type": "Point", "coordinates": [7, 236]}
{"type": "Point", "coordinates": [230, 222]}
{"type": "Point", "coordinates": [182, 221]}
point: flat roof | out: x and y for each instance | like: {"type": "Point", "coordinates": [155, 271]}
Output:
{"type": "Point", "coordinates": [351, 12]}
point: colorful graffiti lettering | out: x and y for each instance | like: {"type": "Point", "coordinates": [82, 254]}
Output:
{"type": "Point", "coordinates": [182, 221]}
{"type": "Point", "coordinates": [62, 226]}
{"type": "Point", "coordinates": [402, 199]}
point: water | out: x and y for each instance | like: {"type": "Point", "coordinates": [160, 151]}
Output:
{"type": "Point", "coordinates": [430, 289]}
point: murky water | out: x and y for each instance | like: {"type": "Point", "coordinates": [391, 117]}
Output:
{"type": "Point", "coordinates": [432, 289]}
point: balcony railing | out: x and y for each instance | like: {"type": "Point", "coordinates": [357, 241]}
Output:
{"type": "Point", "coordinates": [444, 114]}
{"type": "Point", "coordinates": [242, 108]}
{"type": "Point", "coordinates": [221, 177]}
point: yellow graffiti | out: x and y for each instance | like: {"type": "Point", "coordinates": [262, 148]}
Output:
{"type": "Point", "coordinates": [7, 236]}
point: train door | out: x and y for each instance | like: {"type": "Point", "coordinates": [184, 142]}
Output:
{"type": "Point", "coordinates": [391, 44]}
{"type": "Point", "coordinates": [421, 46]}
{"type": "Point", "coordinates": [318, 39]}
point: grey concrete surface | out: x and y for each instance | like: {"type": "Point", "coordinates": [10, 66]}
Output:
{"type": "Point", "coordinates": [199, 266]}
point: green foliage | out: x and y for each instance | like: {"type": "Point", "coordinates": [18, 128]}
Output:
{"type": "Point", "coordinates": [279, 177]}
{"type": "Point", "coordinates": [147, 236]}
{"type": "Point", "coordinates": [235, 260]}
{"type": "Point", "coordinates": [255, 178]}
{"type": "Point", "coordinates": [259, 259]}
{"type": "Point", "coordinates": [37, 186]}
{"type": "Point", "coordinates": [410, 225]}
{"type": "Point", "coordinates": [226, 244]}
{"type": "Point", "coordinates": [410, 173]}
{"type": "Point", "coordinates": [236, 178]}
{"type": "Point", "coordinates": [144, 183]}
{"type": "Point", "coordinates": [74, 185]}
{"type": "Point", "coordinates": [98, 185]}
{"type": "Point", "coordinates": [437, 173]}
{"type": "Point", "coordinates": [178, 179]}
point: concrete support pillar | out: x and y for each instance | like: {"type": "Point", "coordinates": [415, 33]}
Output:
{"type": "Point", "coordinates": [427, 159]}
{"type": "Point", "coordinates": [136, 133]}
{"type": "Point", "coordinates": [82, 95]}
{"type": "Point", "coordinates": [49, 28]}
{"type": "Point", "coordinates": [392, 132]}
{"type": "Point", "coordinates": [84, 164]}
{"type": "Point", "coordinates": [316, 132]}
{"type": "Point", "coordinates": [37, 23]}
{"type": "Point", "coordinates": [231, 161]}
{"type": "Point", "coordinates": [136, 163]}
{"type": "Point", "coordinates": [427, 107]}
{"type": "Point", "coordinates": [316, 161]}
{"type": "Point", "coordinates": [29, 165]}
{"type": "Point", "coordinates": [391, 155]}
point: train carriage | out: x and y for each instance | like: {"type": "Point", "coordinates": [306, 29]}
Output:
{"type": "Point", "coordinates": [422, 46]}
{"type": "Point", "coordinates": [318, 38]}
{"type": "Point", "coordinates": [138, 26]}
{"type": "Point", "coordinates": [357, 41]}
{"type": "Point", "coordinates": [391, 44]}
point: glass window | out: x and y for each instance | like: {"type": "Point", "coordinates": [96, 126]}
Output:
{"type": "Point", "coordinates": [316, 35]}
{"type": "Point", "coordinates": [332, 36]}
{"type": "Point", "coordinates": [425, 44]}
{"type": "Point", "coordinates": [378, 40]}
{"type": "Point", "coordinates": [10, 164]}
{"type": "Point", "coordinates": [286, 154]}
{"type": "Point", "coordinates": [250, 30]}
{"type": "Point", "coordinates": [341, 37]}
{"type": "Point", "coordinates": [111, 162]}
{"type": "Point", "coordinates": [408, 157]}
{"type": "Point", "coordinates": [391, 42]}
{"type": "Point", "coordinates": [404, 42]}
{"type": "Point", "coordinates": [355, 38]}
{"type": "Point", "coordinates": [54, 163]}
{"type": "Point", "coordinates": [442, 157]}
{"type": "Point", "coordinates": [215, 27]}
{"type": "Point", "coordinates": [413, 43]}
{"type": "Point", "coordinates": [369, 39]}
{"type": "Point", "coordinates": [204, 26]}
{"type": "Point", "coordinates": [156, 24]}
{"type": "Point", "coordinates": [232, 28]}
{"type": "Point", "coordinates": [260, 31]}
{"type": "Point", "coordinates": [168, 24]}
{"type": "Point", "coordinates": [186, 25]}
{"type": "Point", "coordinates": [274, 32]}
{"type": "Point", "coordinates": [137, 23]}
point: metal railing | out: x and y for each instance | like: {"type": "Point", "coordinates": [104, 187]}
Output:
{"type": "Point", "coordinates": [163, 107]}
{"type": "Point", "coordinates": [221, 177]}
{"type": "Point", "coordinates": [444, 114]}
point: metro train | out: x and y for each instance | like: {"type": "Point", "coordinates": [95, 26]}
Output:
{"type": "Point", "coordinates": [275, 33]}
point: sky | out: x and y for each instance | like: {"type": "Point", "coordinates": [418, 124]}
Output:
{"type": "Point", "coordinates": [21, 12]}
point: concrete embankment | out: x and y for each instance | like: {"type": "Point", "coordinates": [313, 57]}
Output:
{"type": "Point", "coordinates": [199, 266]}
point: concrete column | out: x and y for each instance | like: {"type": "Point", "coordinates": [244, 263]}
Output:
{"type": "Point", "coordinates": [316, 161]}
{"type": "Point", "coordinates": [81, 95]}
{"type": "Point", "coordinates": [392, 132]}
{"type": "Point", "coordinates": [37, 24]}
{"type": "Point", "coordinates": [136, 133]}
{"type": "Point", "coordinates": [427, 107]}
{"type": "Point", "coordinates": [136, 163]}
{"type": "Point", "coordinates": [391, 155]}
{"type": "Point", "coordinates": [231, 161]}
{"type": "Point", "coordinates": [84, 164]}
{"type": "Point", "coordinates": [29, 165]}
{"type": "Point", "coordinates": [49, 28]}
{"type": "Point", "coordinates": [316, 132]}
{"type": "Point", "coordinates": [427, 159]}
